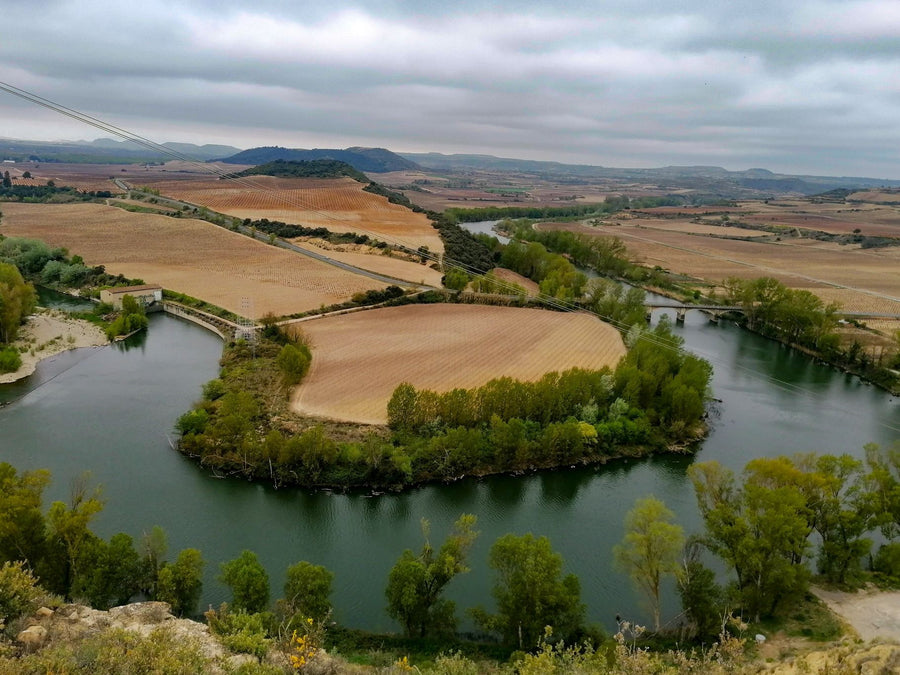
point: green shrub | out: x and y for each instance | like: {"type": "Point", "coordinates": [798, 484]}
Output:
{"type": "Point", "coordinates": [10, 361]}
{"type": "Point", "coordinates": [887, 561]}
{"type": "Point", "coordinates": [19, 591]}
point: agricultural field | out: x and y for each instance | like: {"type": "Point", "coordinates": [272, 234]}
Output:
{"type": "Point", "coordinates": [375, 260]}
{"type": "Point", "coordinates": [186, 255]}
{"type": "Point", "coordinates": [94, 177]}
{"type": "Point", "coordinates": [478, 189]}
{"type": "Point", "coordinates": [359, 359]}
{"type": "Point", "coordinates": [531, 287]}
{"type": "Point", "coordinates": [339, 204]}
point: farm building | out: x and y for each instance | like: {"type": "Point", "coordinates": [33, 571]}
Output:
{"type": "Point", "coordinates": [145, 295]}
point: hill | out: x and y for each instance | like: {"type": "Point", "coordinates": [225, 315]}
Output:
{"type": "Point", "coordinates": [104, 151]}
{"type": "Point", "coordinates": [314, 168]}
{"type": "Point", "coordinates": [376, 160]}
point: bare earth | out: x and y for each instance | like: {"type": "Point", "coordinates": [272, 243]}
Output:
{"type": "Point", "coordinates": [872, 614]}
{"type": "Point", "coordinates": [49, 333]}
{"type": "Point", "coordinates": [359, 359]}
{"type": "Point", "coordinates": [187, 255]}
{"type": "Point", "coordinates": [338, 204]}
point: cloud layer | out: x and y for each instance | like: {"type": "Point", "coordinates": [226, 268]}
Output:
{"type": "Point", "coordinates": [807, 86]}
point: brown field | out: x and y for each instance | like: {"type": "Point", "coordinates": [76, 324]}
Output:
{"type": "Point", "coordinates": [372, 259]}
{"type": "Point", "coordinates": [688, 227]}
{"type": "Point", "coordinates": [339, 204]}
{"type": "Point", "coordinates": [860, 280]}
{"type": "Point", "coordinates": [531, 287]}
{"type": "Point", "coordinates": [189, 256]}
{"type": "Point", "coordinates": [877, 196]}
{"type": "Point", "coordinates": [359, 359]}
{"type": "Point", "coordinates": [92, 177]}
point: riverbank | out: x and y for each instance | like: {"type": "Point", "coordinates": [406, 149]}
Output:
{"type": "Point", "coordinates": [48, 333]}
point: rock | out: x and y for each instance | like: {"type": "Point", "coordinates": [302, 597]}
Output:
{"type": "Point", "coordinates": [44, 612]}
{"type": "Point", "coordinates": [32, 638]}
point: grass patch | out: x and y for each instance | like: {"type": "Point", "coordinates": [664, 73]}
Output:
{"type": "Point", "coordinates": [807, 618]}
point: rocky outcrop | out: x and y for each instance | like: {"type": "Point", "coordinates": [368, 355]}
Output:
{"type": "Point", "coordinates": [74, 622]}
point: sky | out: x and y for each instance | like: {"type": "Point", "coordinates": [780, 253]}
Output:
{"type": "Point", "coordinates": [794, 86]}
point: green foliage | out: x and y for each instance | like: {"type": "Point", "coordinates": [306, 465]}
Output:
{"type": "Point", "coordinates": [887, 562]}
{"type": "Point", "coordinates": [314, 168]}
{"type": "Point", "coordinates": [10, 360]}
{"type": "Point", "coordinates": [761, 530]}
{"type": "Point", "coordinates": [69, 532]}
{"type": "Point", "coordinates": [293, 361]}
{"type": "Point", "coordinates": [416, 582]}
{"type": "Point", "coordinates": [702, 599]}
{"type": "Point", "coordinates": [650, 549]}
{"type": "Point", "coordinates": [181, 583]}
{"type": "Point", "coordinates": [530, 592]}
{"type": "Point", "coordinates": [131, 319]}
{"type": "Point", "coordinates": [21, 519]}
{"type": "Point", "coordinates": [456, 279]}
{"type": "Point", "coordinates": [613, 302]}
{"type": "Point", "coordinates": [19, 592]}
{"type": "Point", "coordinates": [108, 574]}
{"type": "Point", "coordinates": [239, 630]}
{"type": "Point", "coordinates": [307, 591]}
{"type": "Point", "coordinates": [112, 652]}
{"type": "Point", "coordinates": [17, 300]}
{"type": "Point", "coordinates": [248, 581]}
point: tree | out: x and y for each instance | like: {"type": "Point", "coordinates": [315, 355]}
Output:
{"type": "Point", "coordinates": [22, 524]}
{"type": "Point", "coordinates": [456, 279]}
{"type": "Point", "coordinates": [248, 581]}
{"type": "Point", "coordinates": [416, 582]}
{"type": "Point", "coordinates": [650, 549]}
{"type": "Point", "coordinates": [293, 362]}
{"type": "Point", "coordinates": [17, 301]}
{"type": "Point", "coordinates": [181, 583]}
{"type": "Point", "coordinates": [69, 531]}
{"type": "Point", "coordinates": [760, 530]}
{"type": "Point", "coordinates": [702, 599]}
{"type": "Point", "coordinates": [306, 592]}
{"type": "Point", "coordinates": [530, 592]}
{"type": "Point", "coordinates": [154, 546]}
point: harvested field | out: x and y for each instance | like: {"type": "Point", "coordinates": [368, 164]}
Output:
{"type": "Point", "coordinates": [339, 204]}
{"type": "Point", "coordinates": [866, 281]}
{"type": "Point", "coordinates": [93, 177]}
{"type": "Point", "coordinates": [189, 256]}
{"type": "Point", "coordinates": [368, 258]}
{"type": "Point", "coordinates": [701, 229]}
{"type": "Point", "coordinates": [531, 287]}
{"type": "Point", "coordinates": [359, 359]}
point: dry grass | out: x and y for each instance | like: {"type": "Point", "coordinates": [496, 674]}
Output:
{"type": "Point", "coordinates": [359, 359]}
{"type": "Point", "coordinates": [339, 204]}
{"type": "Point", "coordinates": [190, 256]}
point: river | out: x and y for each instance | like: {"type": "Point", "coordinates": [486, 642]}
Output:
{"type": "Point", "coordinates": [109, 410]}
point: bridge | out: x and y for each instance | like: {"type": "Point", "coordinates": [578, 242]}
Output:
{"type": "Point", "coordinates": [715, 311]}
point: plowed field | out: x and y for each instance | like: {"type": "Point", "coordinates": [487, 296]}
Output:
{"type": "Point", "coordinates": [359, 359]}
{"type": "Point", "coordinates": [185, 255]}
{"type": "Point", "coordinates": [339, 204]}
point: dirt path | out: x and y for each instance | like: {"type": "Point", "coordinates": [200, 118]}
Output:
{"type": "Point", "coordinates": [872, 613]}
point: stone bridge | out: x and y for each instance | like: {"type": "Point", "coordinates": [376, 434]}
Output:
{"type": "Point", "coordinates": [715, 311]}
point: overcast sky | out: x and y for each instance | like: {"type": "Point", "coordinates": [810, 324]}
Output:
{"type": "Point", "coordinates": [800, 86]}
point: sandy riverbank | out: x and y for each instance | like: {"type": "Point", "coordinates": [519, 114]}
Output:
{"type": "Point", "coordinates": [48, 333]}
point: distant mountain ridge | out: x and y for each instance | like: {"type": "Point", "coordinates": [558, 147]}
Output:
{"type": "Point", "coordinates": [105, 151]}
{"type": "Point", "coordinates": [703, 177]}
{"type": "Point", "coordinates": [375, 160]}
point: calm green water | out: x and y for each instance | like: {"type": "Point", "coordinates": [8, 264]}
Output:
{"type": "Point", "coordinates": [109, 410]}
